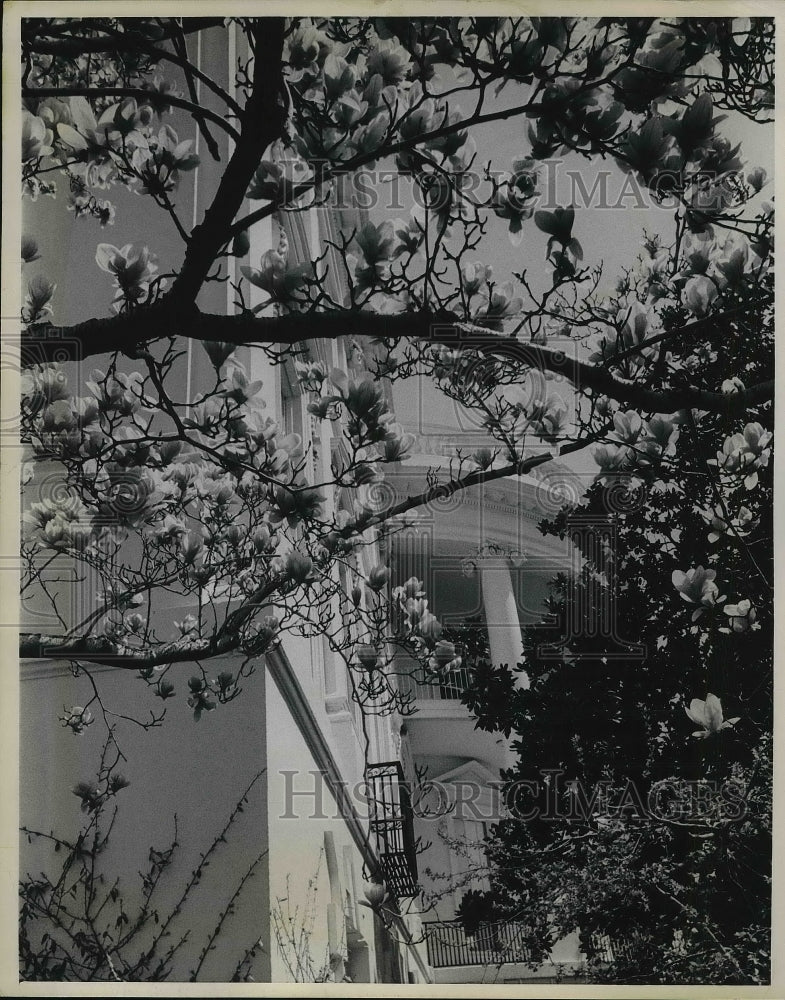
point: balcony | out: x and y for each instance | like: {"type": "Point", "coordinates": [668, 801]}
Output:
{"type": "Point", "coordinates": [450, 947]}
{"type": "Point", "coordinates": [391, 822]}
{"type": "Point", "coordinates": [449, 687]}
{"type": "Point", "coordinates": [493, 944]}
{"type": "Point", "coordinates": [441, 725]}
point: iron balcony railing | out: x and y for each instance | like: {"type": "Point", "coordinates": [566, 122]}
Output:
{"type": "Point", "coordinates": [392, 825]}
{"type": "Point", "coordinates": [492, 944]}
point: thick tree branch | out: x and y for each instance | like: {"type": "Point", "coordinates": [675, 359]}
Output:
{"type": "Point", "coordinates": [261, 123]}
{"type": "Point", "coordinates": [127, 332]}
{"type": "Point", "coordinates": [107, 652]}
{"type": "Point", "coordinates": [101, 650]}
{"type": "Point", "coordinates": [127, 41]}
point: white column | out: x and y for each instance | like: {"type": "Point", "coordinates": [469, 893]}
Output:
{"type": "Point", "coordinates": [501, 616]}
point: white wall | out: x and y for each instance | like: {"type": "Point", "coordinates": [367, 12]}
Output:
{"type": "Point", "coordinates": [196, 770]}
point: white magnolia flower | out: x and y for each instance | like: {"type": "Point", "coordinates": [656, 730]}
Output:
{"type": "Point", "coordinates": [708, 715]}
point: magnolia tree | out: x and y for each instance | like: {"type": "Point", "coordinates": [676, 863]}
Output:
{"type": "Point", "coordinates": [640, 802]}
{"type": "Point", "coordinates": [206, 498]}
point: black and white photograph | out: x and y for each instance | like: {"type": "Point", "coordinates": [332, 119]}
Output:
{"type": "Point", "coordinates": [388, 499]}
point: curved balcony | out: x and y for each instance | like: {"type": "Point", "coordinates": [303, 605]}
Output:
{"type": "Point", "coordinates": [442, 726]}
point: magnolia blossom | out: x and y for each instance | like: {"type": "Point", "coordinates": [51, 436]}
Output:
{"type": "Point", "coordinates": [663, 431]}
{"type": "Point", "coordinates": [119, 393]}
{"type": "Point", "coordinates": [375, 894]}
{"type": "Point", "coordinates": [160, 164]}
{"type": "Point", "coordinates": [757, 178]}
{"type": "Point", "coordinates": [444, 657]}
{"type": "Point", "coordinates": [697, 586]}
{"type": "Point", "coordinates": [128, 123]}
{"type": "Point", "coordinates": [29, 249]}
{"type": "Point", "coordinates": [708, 715]}
{"type": "Point", "coordinates": [298, 568]}
{"type": "Point", "coordinates": [308, 50]}
{"type": "Point", "coordinates": [742, 616]}
{"type": "Point", "coordinates": [411, 589]}
{"type": "Point", "coordinates": [368, 657]}
{"type": "Point", "coordinates": [397, 443]}
{"type": "Point", "coordinates": [87, 135]}
{"type": "Point", "coordinates": [376, 242]}
{"type": "Point", "coordinates": [627, 426]}
{"type": "Point", "coordinates": [636, 321]}
{"type": "Point", "coordinates": [390, 60]}
{"type": "Point", "coordinates": [188, 627]}
{"type": "Point", "coordinates": [743, 454]}
{"type": "Point", "coordinates": [731, 385]}
{"type": "Point", "coordinates": [699, 293]}
{"type": "Point", "coordinates": [501, 304]}
{"type": "Point", "coordinates": [418, 117]}
{"type": "Point", "coordinates": [133, 269]}
{"type": "Point", "coordinates": [697, 250]}
{"type": "Point", "coordinates": [368, 137]}
{"type": "Point", "coordinates": [199, 700]}
{"type": "Point", "coordinates": [611, 459]}
{"type": "Point", "coordinates": [295, 505]}
{"type": "Point", "coordinates": [429, 628]}
{"type": "Point", "coordinates": [378, 577]}
{"type": "Point", "coordinates": [276, 277]}
{"type": "Point", "coordinates": [515, 198]}
{"type": "Point", "coordinates": [62, 521]}
{"type": "Point", "coordinates": [483, 457]}
{"type": "Point", "coordinates": [77, 719]}
{"type": "Point", "coordinates": [475, 276]}
{"type": "Point", "coordinates": [721, 524]}
{"type": "Point", "coordinates": [36, 137]}
{"type": "Point", "coordinates": [36, 306]}
{"type": "Point", "coordinates": [349, 110]}
{"type": "Point", "coordinates": [310, 374]}
{"type": "Point", "coordinates": [340, 76]}
{"type": "Point", "coordinates": [409, 233]}
{"type": "Point", "coordinates": [731, 266]}
{"type": "Point", "coordinates": [90, 141]}
{"type": "Point", "coordinates": [267, 633]}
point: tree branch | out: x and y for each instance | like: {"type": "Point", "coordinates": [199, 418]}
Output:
{"type": "Point", "coordinates": [445, 490]}
{"type": "Point", "coordinates": [127, 41]}
{"type": "Point", "coordinates": [390, 149]}
{"type": "Point", "coordinates": [126, 332]}
{"type": "Point", "coordinates": [150, 96]}
{"type": "Point", "coordinates": [121, 44]}
{"type": "Point", "coordinates": [103, 651]}
{"type": "Point", "coordinates": [261, 123]}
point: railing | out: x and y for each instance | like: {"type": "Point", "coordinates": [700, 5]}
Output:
{"type": "Point", "coordinates": [503, 942]}
{"type": "Point", "coordinates": [492, 944]}
{"type": "Point", "coordinates": [607, 949]}
{"type": "Point", "coordinates": [450, 687]}
{"type": "Point", "coordinates": [391, 822]}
